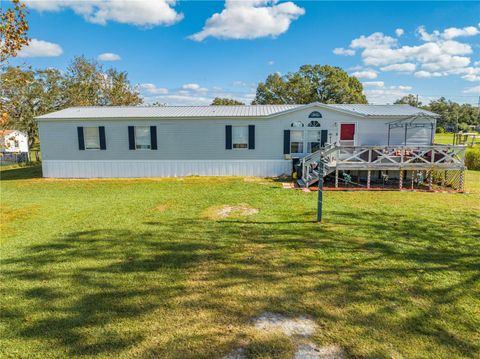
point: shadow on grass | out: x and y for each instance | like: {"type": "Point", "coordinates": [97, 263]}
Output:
{"type": "Point", "coordinates": [90, 291]}
{"type": "Point", "coordinates": [21, 173]}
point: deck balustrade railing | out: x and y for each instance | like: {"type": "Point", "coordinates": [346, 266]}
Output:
{"type": "Point", "coordinates": [368, 158]}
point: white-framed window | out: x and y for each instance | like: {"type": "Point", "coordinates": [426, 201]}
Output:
{"type": "Point", "coordinates": [296, 141]}
{"type": "Point", "coordinates": [92, 138]}
{"type": "Point", "coordinates": [314, 139]}
{"type": "Point", "coordinates": [240, 137]}
{"type": "Point", "coordinates": [142, 138]}
{"type": "Point", "coordinates": [314, 123]}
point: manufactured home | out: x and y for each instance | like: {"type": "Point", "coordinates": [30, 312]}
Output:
{"type": "Point", "coordinates": [256, 140]}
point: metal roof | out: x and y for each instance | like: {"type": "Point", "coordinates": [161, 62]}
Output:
{"type": "Point", "coordinates": [384, 110]}
{"type": "Point", "coordinates": [397, 111]}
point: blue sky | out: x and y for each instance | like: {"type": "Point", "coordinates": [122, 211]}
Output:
{"type": "Point", "coordinates": [191, 51]}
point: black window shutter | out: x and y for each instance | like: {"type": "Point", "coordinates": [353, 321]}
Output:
{"type": "Point", "coordinates": [324, 138]}
{"type": "Point", "coordinates": [131, 137]}
{"type": "Point", "coordinates": [286, 142]}
{"type": "Point", "coordinates": [153, 137]}
{"type": "Point", "coordinates": [81, 141]}
{"type": "Point", "coordinates": [251, 137]}
{"type": "Point", "coordinates": [228, 137]}
{"type": "Point", "coordinates": [103, 142]}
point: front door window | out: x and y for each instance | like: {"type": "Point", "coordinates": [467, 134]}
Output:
{"type": "Point", "coordinates": [347, 134]}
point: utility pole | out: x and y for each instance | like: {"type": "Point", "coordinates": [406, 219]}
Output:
{"type": "Point", "coordinates": [417, 100]}
{"type": "Point", "coordinates": [478, 106]}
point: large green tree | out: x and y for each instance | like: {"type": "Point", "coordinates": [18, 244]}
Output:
{"type": "Point", "coordinates": [26, 93]}
{"type": "Point", "coordinates": [88, 84]}
{"type": "Point", "coordinates": [410, 99]}
{"type": "Point", "coordinates": [13, 28]}
{"type": "Point", "coordinates": [311, 83]}
{"type": "Point", "coordinates": [223, 101]}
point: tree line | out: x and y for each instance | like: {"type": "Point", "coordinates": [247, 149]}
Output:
{"type": "Point", "coordinates": [453, 116]}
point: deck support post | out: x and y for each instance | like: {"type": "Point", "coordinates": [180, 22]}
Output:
{"type": "Point", "coordinates": [336, 178]}
{"type": "Point", "coordinates": [414, 174]}
{"type": "Point", "coordinates": [369, 174]}
{"type": "Point", "coordinates": [430, 180]}
{"type": "Point", "coordinates": [400, 180]}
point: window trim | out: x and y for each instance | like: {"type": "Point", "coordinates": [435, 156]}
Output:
{"type": "Point", "coordinates": [149, 138]}
{"type": "Point", "coordinates": [85, 138]}
{"type": "Point", "coordinates": [302, 131]}
{"type": "Point", "coordinates": [233, 138]}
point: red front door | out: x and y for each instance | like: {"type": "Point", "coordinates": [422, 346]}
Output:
{"type": "Point", "coordinates": [347, 132]}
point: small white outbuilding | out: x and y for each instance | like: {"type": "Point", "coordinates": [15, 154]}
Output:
{"type": "Point", "coordinates": [13, 141]}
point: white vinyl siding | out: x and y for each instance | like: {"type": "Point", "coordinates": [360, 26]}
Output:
{"type": "Point", "coordinates": [92, 138]}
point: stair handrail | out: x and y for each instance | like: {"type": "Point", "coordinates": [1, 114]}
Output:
{"type": "Point", "coordinates": [315, 158]}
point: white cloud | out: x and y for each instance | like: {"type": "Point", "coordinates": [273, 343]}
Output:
{"type": "Point", "coordinates": [250, 19]}
{"type": "Point", "coordinates": [401, 87]}
{"type": "Point", "coordinates": [40, 48]}
{"type": "Point", "coordinates": [447, 34]}
{"type": "Point", "coordinates": [344, 52]}
{"type": "Point", "coordinates": [399, 32]}
{"type": "Point", "coordinates": [152, 89]}
{"type": "Point", "coordinates": [194, 87]}
{"type": "Point", "coordinates": [474, 90]}
{"type": "Point", "coordinates": [384, 96]}
{"type": "Point", "coordinates": [373, 84]}
{"type": "Point", "coordinates": [108, 56]}
{"type": "Point", "coordinates": [426, 74]}
{"type": "Point", "coordinates": [135, 12]}
{"type": "Point", "coordinates": [367, 74]}
{"type": "Point", "coordinates": [271, 62]}
{"type": "Point", "coordinates": [405, 67]}
{"type": "Point", "coordinates": [439, 55]}
{"type": "Point", "coordinates": [376, 40]}
{"type": "Point", "coordinates": [181, 96]}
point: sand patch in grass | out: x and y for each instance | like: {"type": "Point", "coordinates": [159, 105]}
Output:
{"type": "Point", "coordinates": [162, 207]}
{"type": "Point", "coordinates": [229, 211]}
{"type": "Point", "coordinates": [301, 326]}
{"type": "Point", "coordinates": [278, 336]}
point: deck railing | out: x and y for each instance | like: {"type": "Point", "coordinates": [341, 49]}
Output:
{"type": "Point", "coordinates": [369, 158]}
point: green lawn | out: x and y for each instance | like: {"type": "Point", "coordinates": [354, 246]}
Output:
{"type": "Point", "coordinates": [443, 138]}
{"type": "Point", "coordinates": [139, 268]}
{"type": "Point", "coordinates": [447, 139]}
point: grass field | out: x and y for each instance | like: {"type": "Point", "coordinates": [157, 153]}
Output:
{"type": "Point", "coordinates": [143, 268]}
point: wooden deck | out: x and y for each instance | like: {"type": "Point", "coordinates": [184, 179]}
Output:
{"type": "Point", "coordinates": [402, 159]}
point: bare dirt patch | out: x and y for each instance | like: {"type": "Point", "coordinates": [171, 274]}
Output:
{"type": "Point", "coordinates": [162, 207]}
{"type": "Point", "coordinates": [301, 326]}
{"type": "Point", "coordinates": [299, 329]}
{"type": "Point", "coordinates": [311, 351]}
{"type": "Point", "coordinates": [229, 211]}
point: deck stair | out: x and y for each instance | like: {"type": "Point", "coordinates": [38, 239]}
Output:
{"type": "Point", "coordinates": [310, 165]}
